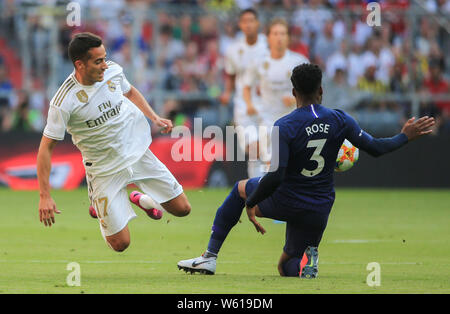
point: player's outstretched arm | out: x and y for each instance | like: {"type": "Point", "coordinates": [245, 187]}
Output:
{"type": "Point", "coordinates": [47, 206]}
{"type": "Point", "coordinates": [379, 146]}
{"type": "Point", "coordinates": [139, 100]}
{"type": "Point", "coordinates": [415, 129]}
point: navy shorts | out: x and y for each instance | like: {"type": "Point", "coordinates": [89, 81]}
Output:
{"type": "Point", "coordinates": [303, 227]}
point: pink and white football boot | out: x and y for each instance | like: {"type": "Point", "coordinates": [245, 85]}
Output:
{"type": "Point", "coordinates": [154, 213]}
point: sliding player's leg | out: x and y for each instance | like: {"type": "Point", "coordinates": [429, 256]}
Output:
{"type": "Point", "coordinates": [300, 255]}
{"type": "Point", "coordinates": [147, 204]}
{"type": "Point", "coordinates": [161, 190]}
{"type": "Point", "coordinates": [120, 241]}
{"type": "Point", "coordinates": [109, 200]}
{"type": "Point", "coordinates": [227, 216]}
{"type": "Point", "coordinates": [304, 230]}
{"type": "Point", "coordinates": [178, 206]}
{"type": "Point", "coordinates": [114, 214]}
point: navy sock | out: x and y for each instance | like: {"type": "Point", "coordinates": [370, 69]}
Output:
{"type": "Point", "coordinates": [227, 217]}
{"type": "Point", "coordinates": [291, 267]}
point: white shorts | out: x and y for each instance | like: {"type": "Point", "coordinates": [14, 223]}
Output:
{"type": "Point", "coordinates": [108, 194]}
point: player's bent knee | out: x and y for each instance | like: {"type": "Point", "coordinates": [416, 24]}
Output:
{"type": "Point", "coordinates": [178, 206]}
{"type": "Point", "coordinates": [119, 243]}
{"type": "Point", "coordinates": [185, 210]}
{"type": "Point", "coordinates": [282, 271]}
{"type": "Point", "coordinates": [241, 188]}
{"type": "Point", "coordinates": [119, 246]}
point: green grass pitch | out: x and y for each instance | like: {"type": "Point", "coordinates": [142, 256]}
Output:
{"type": "Point", "coordinates": [405, 231]}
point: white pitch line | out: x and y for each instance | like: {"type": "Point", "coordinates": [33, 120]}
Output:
{"type": "Point", "coordinates": [159, 262]}
{"type": "Point", "coordinates": [358, 241]}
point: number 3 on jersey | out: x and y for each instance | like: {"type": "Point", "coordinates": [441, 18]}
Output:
{"type": "Point", "coordinates": [318, 145]}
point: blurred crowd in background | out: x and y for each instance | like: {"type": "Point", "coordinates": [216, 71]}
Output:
{"type": "Point", "coordinates": [172, 51]}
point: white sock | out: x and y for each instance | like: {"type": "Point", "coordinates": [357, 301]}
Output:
{"type": "Point", "coordinates": [147, 202]}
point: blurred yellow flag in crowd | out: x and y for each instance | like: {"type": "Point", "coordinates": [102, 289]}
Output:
{"type": "Point", "coordinates": [222, 5]}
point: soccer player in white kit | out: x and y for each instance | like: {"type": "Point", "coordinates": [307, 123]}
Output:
{"type": "Point", "coordinates": [237, 59]}
{"type": "Point", "coordinates": [272, 73]}
{"type": "Point", "coordinates": [105, 115]}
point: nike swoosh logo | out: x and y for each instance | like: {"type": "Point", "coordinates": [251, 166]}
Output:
{"type": "Point", "coordinates": [194, 264]}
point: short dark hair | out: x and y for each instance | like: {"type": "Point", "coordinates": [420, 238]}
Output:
{"type": "Point", "coordinates": [248, 10]}
{"type": "Point", "coordinates": [80, 45]}
{"type": "Point", "coordinates": [306, 78]}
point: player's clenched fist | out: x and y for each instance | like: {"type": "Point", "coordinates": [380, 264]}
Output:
{"type": "Point", "coordinates": [166, 124]}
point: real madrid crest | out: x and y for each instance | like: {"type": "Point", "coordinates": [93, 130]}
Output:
{"type": "Point", "coordinates": [82, 96]}
{"type": "Point", "coordinates": [289, 73]}
{"type": "Point", "coordinates": [111, 86]}
{"type": "Point", "coordinates": [266, 65]}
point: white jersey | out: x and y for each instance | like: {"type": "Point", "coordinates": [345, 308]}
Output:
{"type": "Point", "coordinates": [237, 59]}
{"type": "Point", "coordinates": [274, 76]}
{"type": "Point", "coordinates": [108, 129]}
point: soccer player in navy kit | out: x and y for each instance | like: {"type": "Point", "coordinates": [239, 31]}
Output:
{"type": "Point", "coordinates": [299, 188]}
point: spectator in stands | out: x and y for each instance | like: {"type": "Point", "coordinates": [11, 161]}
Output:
{"type": "Point", "coordinates": [208, 31]}
{"type": "Point", "coordinates": [338, 94]}
{"type": "Point", "coordinates": [134, 65]}
{"type": "Point", "coordinates": [191, 45]}
{"type": "Point", "coordinates": [23, 118]}
{"type": "Point", "coordinates": [185, 28]}
{"type": "Point", "coordinates": [187, 73]}
{"type": "Point", "coordinates": [436, 6]}
{"type": "Point", "coordinates": [211, 58]}
{"type": "Point", "coordinates": [6, 90]}
{"type": "Point", "coordinates": [428, 108]}
{"type": "Point", "coordinates": [399, 81]}
{"type": "Point", "coordinates": [175, 76]}
{"type": "Point", "coordinates": [362, 31]}
{"type": "Point", "coordinates": [427, 33]}
{"type": "Point", "coordinates": [382, 56]}
{"type": "Point", "coordinates": [325, 44]}
{"type": "Point", "coordinates": [193, 65]}
{"type": "Point", "coordinates": [172, 110]}
{"type": "Point", "coordinates": [437, 85]}
{"type": "Point", "coordinates": [368, 82]}
{"type": "Point", "coordinates": [355, 68]}
{"type": "Point", "coordinates": [339, 59]}
{"type": "Point", "coordinates": [296, 42]}
{"type": "Point", "coordinates": [339, 28]}
{"type": "Point", "coordinates": [311, 18]}
{"type": "Point", "coordinates": [245, 4]}
{"type": "Point", "coordinates": [169, 48]}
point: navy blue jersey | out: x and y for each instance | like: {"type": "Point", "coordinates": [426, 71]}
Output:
{"type": "Point", "coordinates": [309, 140]}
